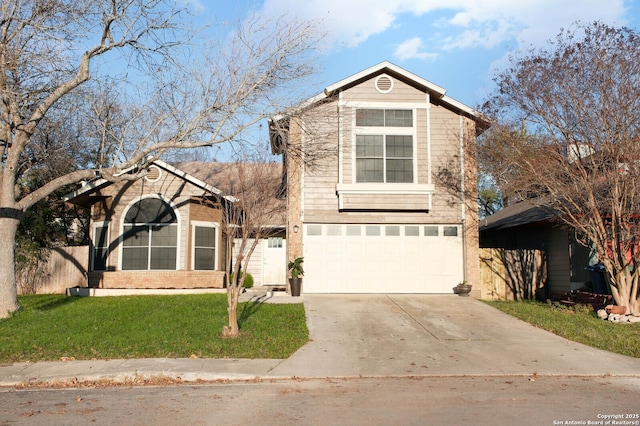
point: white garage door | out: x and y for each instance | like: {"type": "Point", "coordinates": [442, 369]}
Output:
{"type": "Point", "coordinates": [382, 258]}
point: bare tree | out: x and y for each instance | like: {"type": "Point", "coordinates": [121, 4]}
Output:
{"type": "Point", "coordinates": [257, 214]}
{"type": "Point", "coordinates": [567, 137]}
{"type": "Point", "coordinates": [181, 99]}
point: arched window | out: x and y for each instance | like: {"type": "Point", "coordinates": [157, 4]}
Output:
{"type": "Point", "coordinates": [150, 236]}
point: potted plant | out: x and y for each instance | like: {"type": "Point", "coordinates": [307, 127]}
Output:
{"type": "Point", "coordinates": [296, 273]}
{"type": "Point", "coordinates": [463, 289]}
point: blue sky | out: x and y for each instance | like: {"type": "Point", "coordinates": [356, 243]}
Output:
{"type": "Point", "coordinates": [456, 44]}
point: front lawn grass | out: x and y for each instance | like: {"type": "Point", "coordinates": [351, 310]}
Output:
{"type": "Point", "coordinates": [54, 327]}
{"type": "Point", "coordinates": [579, 323]}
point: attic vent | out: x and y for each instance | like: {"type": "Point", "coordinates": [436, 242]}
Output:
{"type": "Point", "coordinates": [384, 84]}
{"type": "Point", "coordinates": [153, 174]}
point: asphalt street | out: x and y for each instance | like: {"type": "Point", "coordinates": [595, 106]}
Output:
{"type": "Point", "coordinates": [502, 400]}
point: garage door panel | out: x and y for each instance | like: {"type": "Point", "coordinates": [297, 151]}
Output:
{"type": "Point", "coordinates": [350, 261]}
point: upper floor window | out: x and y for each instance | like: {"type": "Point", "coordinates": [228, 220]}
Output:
{"type": "Point", "coordinates": [150, 236]}
{"type": "Point", "coordinates": [385, 155]}
{"type": "Point", "coordinates": [384, 117]}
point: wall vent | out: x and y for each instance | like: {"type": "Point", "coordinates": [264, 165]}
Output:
{"type": "Point", "coordinates": [153, 173]}
{"type": "Point", "coordinates": [384, 84]}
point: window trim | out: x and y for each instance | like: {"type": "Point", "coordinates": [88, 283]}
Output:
{"type": "Point", "coordinates": [204, 224]}
{"type": "Point", "coordinates": [385, 158]}
{"type": "Point", "coordinates": [95, 226]}
{"type": "Point", "coordinates": [385, 131]}
{"type": "Point", "coordinates": [177, 224]}
{"type": "Point", "coordinates": [275, 243]}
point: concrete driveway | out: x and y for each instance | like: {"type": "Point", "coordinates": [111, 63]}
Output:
{"type": "Point", "coordinates": [434, 335]}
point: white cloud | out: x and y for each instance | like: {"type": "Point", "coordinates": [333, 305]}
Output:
{"type": "Point", "coordinates": [347, 22]}
{"type": "Point", "coordinates": [467, 24]}
{"type": "Point", "coordinates": [413, 48]}
{"type": "Point", "coordinates": [487, 35]}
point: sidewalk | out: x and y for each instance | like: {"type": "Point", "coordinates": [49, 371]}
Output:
{"type": "Point", "coordinates": [372, 336]}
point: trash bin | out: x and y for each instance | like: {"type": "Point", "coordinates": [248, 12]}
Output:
{"type": "Point", "coordinates": [598, 283]}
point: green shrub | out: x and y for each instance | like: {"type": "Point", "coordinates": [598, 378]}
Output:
{"type": "Point", "coordinates": [248, 281]}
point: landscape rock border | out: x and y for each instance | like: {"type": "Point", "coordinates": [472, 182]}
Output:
{"type": "Point", "coordinates": [614, 317]}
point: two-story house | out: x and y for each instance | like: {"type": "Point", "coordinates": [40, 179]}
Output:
{"type": "Point", "coordinates": [365, 203]}
{"type": "Point", "coordinates": [366, 206]}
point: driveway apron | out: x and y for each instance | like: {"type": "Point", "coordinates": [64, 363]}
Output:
{"type": "Point", "coordinates": [434, 335]}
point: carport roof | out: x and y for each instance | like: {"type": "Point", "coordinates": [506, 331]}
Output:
{"type": "Point", "coordinates": [522, 213]}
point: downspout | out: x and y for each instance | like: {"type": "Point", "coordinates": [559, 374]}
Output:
{"type": "Point", "coordinates": [340, 147]}
{"type": "Point", "coordinates": [429, 179]}
{"type": "Point", "coordinates": [464, 200]}
{"type": "Point", "coordinates": [340, 138]}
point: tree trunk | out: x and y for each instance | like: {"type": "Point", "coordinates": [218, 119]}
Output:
{"type": "Point", "coordinates": [8, 291]}
{"type": "Point", "coordinates": [624, 291]}
{"type": "Point", "coordinates": [232, 330]}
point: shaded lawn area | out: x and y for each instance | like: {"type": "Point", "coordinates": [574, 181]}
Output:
{"type": "Point", "coordinates": [54, 327]}
{"type": "Point", "coordinates": [578, 323]}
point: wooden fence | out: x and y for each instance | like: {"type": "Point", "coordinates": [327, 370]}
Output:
{"type": "Point", "coordinates": [512, 274]}
{"type": "Point", "coordinates": [64, 267]}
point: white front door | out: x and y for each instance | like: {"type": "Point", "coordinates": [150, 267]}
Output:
{"type": "Point", "coordinates": [274, 255]}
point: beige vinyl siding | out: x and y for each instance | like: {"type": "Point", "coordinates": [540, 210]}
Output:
{"type": "Point", "coordinates": [347, 144]}
{"type": "Point", "coordinates": [366, 92]}
{"type": "Point", "coordinates": [321, 173]}
{"type": "Point", "coordinates": [445, 154]}
{"type": "Point", "coordinates": [319, 192]}
{"type": "Point", "coordinates": [421, 146]}
{"type": "Point", "coordinates": [386, 202]}
{"type": "Point", "coordinates": [255, 262]}
{"type": "Point", "coordinates": [320, 201]}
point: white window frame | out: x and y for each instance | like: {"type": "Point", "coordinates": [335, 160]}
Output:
{"type": "Point", "coordinates": [216, 248]}
{"type": "Point", "coordinates": [275, 242]}
{"type": "Point", "coordinates": [178, 236]}
{"type": "Point", "coordinates": [96, 225]}
{"type": "Point", "coordinates": [385, 131]}
{"type": "Point", "coordinates": [344, 189]}
{"type": "Point", "coordinates": [385, 157]}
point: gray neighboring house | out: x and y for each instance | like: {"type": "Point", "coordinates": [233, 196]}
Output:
{"type": "Point", "coordinates": [527, 226]}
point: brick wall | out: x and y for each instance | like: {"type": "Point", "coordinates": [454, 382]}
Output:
{"type": "Point", "coordinates": [157, 279]}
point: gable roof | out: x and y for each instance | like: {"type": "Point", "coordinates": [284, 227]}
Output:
{"type": "Point", "coordinates": [83, 195]}
{"type": "Point", "coordinates": [212, 177]}
{"type": "Point", "coordinates": [389, 68]}
{"type": "Point", "coordinates": [436, 92]}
